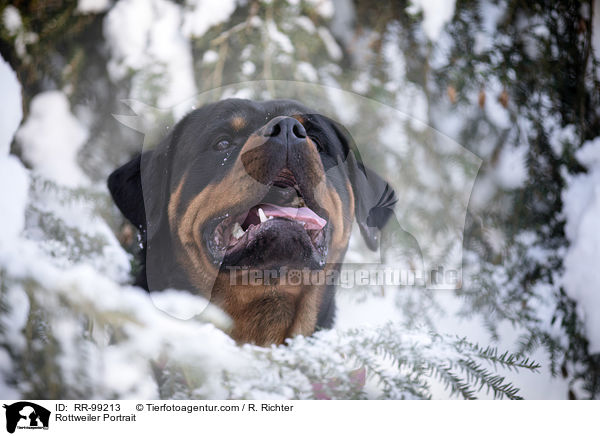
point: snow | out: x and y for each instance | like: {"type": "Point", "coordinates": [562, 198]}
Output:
{"type": "Point", "coordinates": [11, 18]}
{"type": "Point", "coordinates": [14, 184]}
{"type": "Point", "coordinates": [559, 136]}
{"type": "Point", "coordinates": [210, 57]}
{"type": "Point", "coordinates": [323, 7]}
{"type": "Point", "coordinates": [6, 370]}
{"type": "Point", "coordinates": [77, 215]}
{"type": "Point", "coordinates": [279, 38]}
{"type": "Point", "coordinates": [126, 30]}
{"type": "Point", "coordinates": [582, 212]}
{"type": "Point", "coordinates": [497, 113]}
{"type": "Point", "coordinates": [436, 14]}
{"type": "Point", "coordinates": [533, 386]}
{"type": "Point", "coordinates": [185, 306]}
{"type": "Point", "coordinates": [51, 137]}
{"type": "Point", "coordinates": [201, 15]}
{"type": "Point", "coordinates": [333, 49]}
{"type": "Point", "coordinates": [395, 61]}
{"type": "Point", "coordinates": [248, 68]}
{"type": "Point", "coordinates": [510, 171]}
{"type": "Point", "coordinates": [11, 111]}
{"type": "Point", "coordinates": [146, 37]}
{"type": "Point", "coordinates": [121, 370]}
{"type": "Point", "coordinates": [308, 71]}
{"type": "Point", "coordinates": [14, 181]}
{"type": "Point", "coordinates": [491, 13]}
{"type": "Point", "coordinates": [93, 6]}
{"type": "Point", "coordinates": [16, 318]}
{"type": "Point", "coordinates": [410, 99]}
{"type": "Point", "coordinates": [306, 24]}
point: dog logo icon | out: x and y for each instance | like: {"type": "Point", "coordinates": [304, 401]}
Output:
{"type": "Point", "coordinates": [26, 415]}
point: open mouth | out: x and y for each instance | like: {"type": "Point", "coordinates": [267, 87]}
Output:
{"type": "Point", "coordinates": [281, 224]}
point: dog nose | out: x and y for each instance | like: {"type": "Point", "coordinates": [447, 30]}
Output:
{"type": "Point", "coordinates": [286, 130]}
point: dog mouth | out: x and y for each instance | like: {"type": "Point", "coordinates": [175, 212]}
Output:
{"type": "Point", "coordinates": [284, 227]}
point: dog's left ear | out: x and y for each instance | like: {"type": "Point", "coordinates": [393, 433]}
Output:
{"type": "Point", "coordinates": [140, 188]}
{"type": "Point", "coordinates": [125, 186]}
{"type": "Point", "coordinates": [374, 198]}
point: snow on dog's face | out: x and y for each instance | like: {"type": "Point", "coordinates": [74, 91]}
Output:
{"type": "Point", "coordinates": [241, 185]}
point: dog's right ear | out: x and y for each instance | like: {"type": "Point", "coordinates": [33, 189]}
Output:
{"type": "Point", "coordinates": [125, 186]}
{"type": "Point", "coordinates": [374, 198]}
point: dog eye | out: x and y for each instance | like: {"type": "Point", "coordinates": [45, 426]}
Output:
{"type": "Point", "coordinates": [222, 144]}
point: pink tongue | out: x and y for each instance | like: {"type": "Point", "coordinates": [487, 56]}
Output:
{"type": "Point", "coordinates": [304, 214]}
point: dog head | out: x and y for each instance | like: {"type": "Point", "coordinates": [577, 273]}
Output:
{"type": "Point", "coordinates": [262, 185]}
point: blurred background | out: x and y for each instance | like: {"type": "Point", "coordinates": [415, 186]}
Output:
{"type": "Point", "coordinates": [484, 116]}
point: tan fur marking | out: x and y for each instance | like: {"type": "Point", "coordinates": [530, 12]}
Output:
{"type": "Point", "coordinates": [268, 314]}
{"type": "Point", "coordinates": [238, 123]}
{"type": "Point", "coordinates": [210, 201]}
{"type": "Point", "coordinates": [300, 118]}
{"type": "Point", "coordinates": [306, 313]}
{"type": "Point", "coordinates": [174, 201]}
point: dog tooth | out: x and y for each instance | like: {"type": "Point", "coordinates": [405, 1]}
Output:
{"type": "Point", "coordinates": [298, 202]}
{"type": "Point", "coordinates": [237, 232]}
{"type": "Point", "coordinates": [270, 217]}
{"type": "Point", "coordinates": [261, 215]}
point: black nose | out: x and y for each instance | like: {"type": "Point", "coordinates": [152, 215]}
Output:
{"type": "Point", "coordinates": [286, 130]}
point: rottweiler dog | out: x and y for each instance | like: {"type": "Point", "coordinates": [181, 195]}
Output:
{"type": "Point", "coordinates": [240, 185]}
